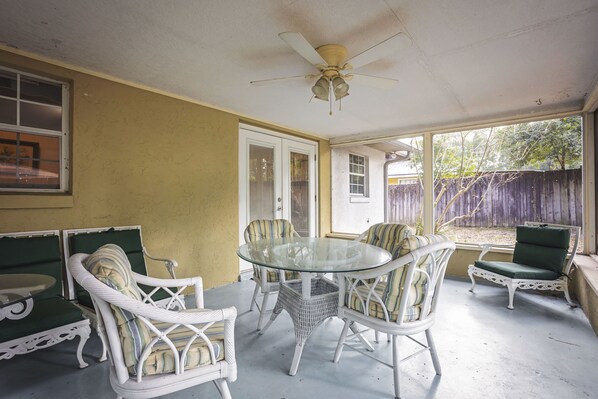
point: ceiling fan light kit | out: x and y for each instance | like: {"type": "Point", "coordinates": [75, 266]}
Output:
{"type": "Point", "coordinates": [331, 62]}
{"type": "Point", "coordinates": [321, 89]}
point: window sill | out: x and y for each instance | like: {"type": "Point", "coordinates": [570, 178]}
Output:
{"type": "Point", "coordinates": [359, 199]}
{"type": "Point", "coordinates": [17, 201]}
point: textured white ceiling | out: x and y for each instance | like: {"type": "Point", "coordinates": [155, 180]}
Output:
{"type": "Point", "coordinates": [470, 60]}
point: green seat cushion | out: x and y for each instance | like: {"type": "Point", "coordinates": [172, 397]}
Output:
{"type": "Point", "coordinates": [542, 247]}
{"type": "Point", "coordinates": [517, 270]}
{"type": "Point", "coordinates": [38, 255]}
{"type": "Point", "coordinates": [46, 314]}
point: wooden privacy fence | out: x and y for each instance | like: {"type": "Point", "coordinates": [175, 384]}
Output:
{"type": "Point", "coordinates": [550, 197]}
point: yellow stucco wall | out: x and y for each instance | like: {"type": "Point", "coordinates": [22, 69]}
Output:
{"type": "Point", "coordinates": [139, 157]}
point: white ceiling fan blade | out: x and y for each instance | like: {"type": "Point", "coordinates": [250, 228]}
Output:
{"type": "Point", "coordinates": [373, 81]}
{"type": "Point", "coordinates": [264, 82]}
{"type": "Point", "coordinates": [380, 50]}
{"type": "Point", "coordinates": [298, 43]}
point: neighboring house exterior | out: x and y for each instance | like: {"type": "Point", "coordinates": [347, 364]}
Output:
{"type": "Point", "coordinates": [354, 213]}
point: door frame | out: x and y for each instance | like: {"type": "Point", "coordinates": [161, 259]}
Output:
{"type": "Point", "coordinates": [288, 142]}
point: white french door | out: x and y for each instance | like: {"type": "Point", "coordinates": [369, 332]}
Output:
{"type": "Point", "coordinates": [277, 180]}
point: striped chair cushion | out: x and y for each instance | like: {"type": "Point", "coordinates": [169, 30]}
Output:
{"type": "Point", "coordinates": [161, 359]}
{"type": "Point", "coordinates": [388, 236]}
{"type": "Point", "coordinates": [396, 279]}
{"type": "Point", "coordinates": [110, 265]}
{"type": "Point", "coordinates": [358, 301]}
{"type": "Point", "coordinates": [262, 229]}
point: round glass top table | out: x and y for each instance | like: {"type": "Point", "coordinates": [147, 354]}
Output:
{"type": "Point", "coordinates": [17, 292]}
{"type": "Point", "coordinates": [314, 255]}
{"type": "Point", "coordinates": [311, 300]}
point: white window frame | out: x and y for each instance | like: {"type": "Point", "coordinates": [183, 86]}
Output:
{"type": "Point", "coordinates": [365, 193]}
{"type": "Point", "coordinates": [63, 134]}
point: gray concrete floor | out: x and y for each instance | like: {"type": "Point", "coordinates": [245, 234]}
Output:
{"type": "Point", "coordinates": [542, 349]}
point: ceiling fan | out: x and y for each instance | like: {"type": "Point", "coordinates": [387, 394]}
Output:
{"type": "Point", "coordinates": [334, 69]}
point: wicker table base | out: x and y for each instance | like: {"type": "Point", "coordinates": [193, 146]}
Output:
{"type": "Point", "coordinates": [306, 313]}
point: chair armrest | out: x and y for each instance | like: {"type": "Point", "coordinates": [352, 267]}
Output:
{"type": "Point", "coordinates": [487, 247]}
{"type": "Point", "coordinates": [167, 284]}
{"type": "Point", "coordinates": [169, 263]}
{"type": "Point", "coordinates": [361, 237]}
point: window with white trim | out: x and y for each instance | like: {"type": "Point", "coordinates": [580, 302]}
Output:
{"type": "Point", "coordinates": [34, 133]}
{"type": "Point", "coordinates": [358, 175]}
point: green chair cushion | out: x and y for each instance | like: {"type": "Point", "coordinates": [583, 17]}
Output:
{"type": "Point", "coordinates": [128, 240]}
{"type": "Point", "coordinates": [544, 236]}
{"type": "Point", "coordinates": [516, 270]}
{"type": "Point", "coordinates": [542, 247]}
{"type": "Point", "coordinates": [20, 251]}
{"type": "Point", "coordinates": [38, 255]}
{"type": "Point", "coordinates": [46, 314]}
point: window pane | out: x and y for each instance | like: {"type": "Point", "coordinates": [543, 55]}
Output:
{"type": "Point", "coordinates": [38, 174]}
{"type": "Point", "coordinates": [8, 111]}
{"type": "Point", "coordinates": [488, 181]}
{"type": "Point", "coordinates": [41, 116]}
{"type": "Point", "coordinates": [41, 92]}
{"type": "Point", "coordinates": [45, 148]}
{"type": "Point", "coordinates": [405, 184]}
{"type": "Point", "coordinates": [8, 148]}
{"type": "Point", "coordinates": [261, 182]}
{"type": "Point", "coordinates": [29, 161]}
{"type": "Point", "coordinates": [8, 84]}
{"type": "Point", "coordinates": [299, 167]}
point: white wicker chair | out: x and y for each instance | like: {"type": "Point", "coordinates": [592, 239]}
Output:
{"type": "Point", "coordinates": [398, 298]}
{"type": "Point", "coordinates": [267, 280]}
{"type": "Point", "coordinates": [542, 260]}
{"type": "Point", "coordinates": [188, 347]}
{"type": "Point", "coordinates": [87, 240]}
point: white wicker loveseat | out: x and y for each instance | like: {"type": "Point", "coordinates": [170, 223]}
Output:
{"type": "Point", "coordinates": [49, 318]}
{"type": "Point", "coordinates": [155, 351]}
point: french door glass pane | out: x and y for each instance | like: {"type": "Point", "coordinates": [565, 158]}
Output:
{"type": "Point", "coordinates": [299, 167]}
{"type": "Point", "coordinates": [261, 182]}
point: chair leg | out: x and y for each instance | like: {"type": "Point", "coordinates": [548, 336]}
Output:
{"type": "Point", "coordinates": [511, 287]}
{"type": "Point", "coordinates": [341, 341]}
{"type": "Point", "coordinates": [254, 298]}
{"type": "Point", "coordinates": [567, 296]}
{"type": "Point", "coordinates": [433, 352]}
{"type": "Point", "coordinates": [103, 357]}
{"type": "Point", "coordinates": [222, 388]}
{"type": "Point", "coordinates": [472, 280]}
{"type": "Point", "coordinates": [263, 311]}
{"type": "Point", "coordinates": [84, 336]}
{"type": "Point", "coordinates": [396, 360]}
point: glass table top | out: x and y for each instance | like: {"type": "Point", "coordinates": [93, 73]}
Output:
{"type": "Point", "coordinates": [314, 255]}
{"type": "Point", "coordinates": [18, 287]}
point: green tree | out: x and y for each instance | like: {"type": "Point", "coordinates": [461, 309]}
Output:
{"type": "Point", "coordinates": [545, 145]}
